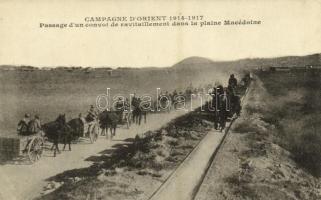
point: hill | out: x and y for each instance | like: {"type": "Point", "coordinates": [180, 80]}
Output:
{"type": "Point", "coordinates": [286, 61]}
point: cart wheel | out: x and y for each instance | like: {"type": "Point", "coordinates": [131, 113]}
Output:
{"type": "Point", "coordinates": [35, 149]}
{"type": "Point", "coordinates": [127, 122]}
{"type": "Point", "coordinates": [96, 133]}
{"type": "Point", "coordinates": [93, 135]}
{"type": "Point", "coordinates": [130, 120]}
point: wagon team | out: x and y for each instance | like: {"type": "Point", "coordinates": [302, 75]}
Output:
{"type": "Point", "coordinates": [29, 126]}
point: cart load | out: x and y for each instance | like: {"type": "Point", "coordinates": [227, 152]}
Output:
{"type": "Point", "coordinates": [9, 148]}
{"type": "Point", "coordinates": [14, 147]}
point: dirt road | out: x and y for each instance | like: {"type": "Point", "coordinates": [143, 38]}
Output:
{"type": "Point", "coordinates": [25, 181]}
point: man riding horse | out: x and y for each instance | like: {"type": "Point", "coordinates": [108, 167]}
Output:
{"type": "Point", "coordinates": [232, 81]}
{"type": "Point", "coordinates": [120, 107]}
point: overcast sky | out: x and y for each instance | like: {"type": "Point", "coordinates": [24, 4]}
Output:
{"type": "Point", "coordinates": [288, 28]}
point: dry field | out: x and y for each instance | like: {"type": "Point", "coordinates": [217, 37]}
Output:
{"type": "Point", "coordinates": [274, 149]}
{"type": "Point", "coordinates": [53, 92]}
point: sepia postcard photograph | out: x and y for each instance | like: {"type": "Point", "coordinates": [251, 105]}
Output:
{"type": "Point", "coordinates": [160, 100]}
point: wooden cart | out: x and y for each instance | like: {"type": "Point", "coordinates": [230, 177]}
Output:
{"type": "Point", "coordinates": [92, 132]}
{"type": "Point", "coordinates": [16, 146]}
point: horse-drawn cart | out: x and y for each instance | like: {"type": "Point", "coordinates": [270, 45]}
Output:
{"type": "Point", "coordinates": [91, 131]}
{"type": "Point", "coordinates": [126, 118]}
{"type": "Point", "coordinates": [81, 128]}
{"type": "Point", "coordinates": [18, 146]}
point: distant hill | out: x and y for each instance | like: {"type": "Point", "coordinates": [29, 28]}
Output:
{"type": "Point", "coordinates": [192, 70]}
{"type": "Point", "coordinates": [287, 61]}
{"type": "Point", "coordinates": [200, 62]}
{"type": "Point", "coordinates": [193, 61]}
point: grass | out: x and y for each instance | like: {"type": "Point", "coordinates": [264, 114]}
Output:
{"type": "Point", "coordinates": [241, 187]}
{"type": "Point", "coordinates": [245, 126]}
{"type": "Point", "coordinates": [294, 112]}
{"type": "Point", "coordinates": [50, 93]}
{"type": "Point", "coordinates": [282, 110]}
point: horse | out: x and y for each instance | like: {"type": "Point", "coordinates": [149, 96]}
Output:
{"type": "Point", "coordinates": [235, 107]}
{"type": "Point", "coordinates": [108, 120]}
{"type": "Point", "coordinates": [82, 128]}
{"type": "Point", "coordinates": [56, 131]}
{"type": "Point", "coordinates": [137, 115]}
{"type": "Point", "coordinates": [139, 111]}
{"type": "Point", "coordinates": [223, 111]}
{"type": "Point", "coordinates": [236, 102]}
{"type": "Point", "coordinates": [220, 102]}
{"type": "Point", "coordinates": [77, 128]}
